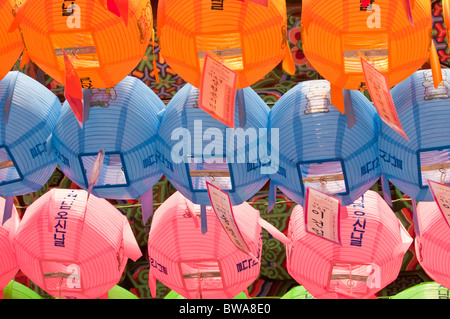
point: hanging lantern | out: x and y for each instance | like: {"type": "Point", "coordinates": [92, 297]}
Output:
{"type": "Point", "coordinates": [196, 265]}
{"type": "Point", "coordinates": [8, 262]}
{"type": "Point", "coordinates": [195, 148]}
{"type": "Point", "coordinates": [423, 111]}
{"type": "Point", "coordinates": [174, 295]}
{"type": "Point", "coordinates": [432, 243]}
{"type": "Point", "coordinates": [106, 39]}
{"type": "Point", "coordinates": [373, 243]}
{"type": "Point", "coordinates": [11, 44]}
{"type": "Point", "coordinates": [15, 290]}
{"type": "Point", "coordinates": [73, 246]}
{"type": "Point", "coordinates": [123, 122]}
{"type": "Point", "coordinates": [249, 38]}
{"type": "Point", "coordinates": [424, 290]}
{"type": "Point", "coordinates": [317, 148]}
{"type": "Point", "coordinates": [384, 31]}
{"type": "Point", "coordinates": [30, 112]}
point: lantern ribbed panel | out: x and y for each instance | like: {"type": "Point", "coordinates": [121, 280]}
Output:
{"type": "Point", "coordinates": [189, 27]}
{"type": "Point", "coordinates": [118, 47]}
{"type": "Point", "coordinates": [432, 246]}
{"type": "Point", "coordinates": [34, 111]}
{"type": "Point", "coordinates": [384, 243]}
{"type": "Point", "coordinates": [181, 113]}
{"type": "Point", "coordinates": [424, 114]}
{"type": "Point", "coordinates": [15, 290]}
{"type": "Point", "coordinates": [312, 130]}
{"type": "Point", "coordinates": [330, 30]}
{"type": "Point", "coordinates": [8, 262]}
{"type": "Point", "coordinates": [176, 238]}
{"type": "Point", "coordinates": [11, 44]}
{"type": "Point", "coordinates": [124, 121]}
{"type": "Point", "coordinates": [424, 290]}
{"type": "Point", "coordinates": [93, 241]}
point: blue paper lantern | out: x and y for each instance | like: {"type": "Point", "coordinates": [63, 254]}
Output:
{"type": "Point", "coordinates": [123, 122]}
{"type": "Point", "coordinates": [317, 148]}
{"type": "Point", "coordinates": [30, 112]}
{"type": "Point", "coordinates": [424, 112]}
{"type": "Point", "coordinates": [195, 148]}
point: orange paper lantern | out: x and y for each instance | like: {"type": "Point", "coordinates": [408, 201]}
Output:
{"type": "Point", "coordinates": [333, 35]}
{"type": "Point", "coordinates": [11, 44]}
{"type": "Point", "coordinates": [249, 38]}
{"type": "Point", "coordinates": [104, 45]}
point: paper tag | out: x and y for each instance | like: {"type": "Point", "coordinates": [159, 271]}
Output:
{"type": "Point", "coordinates": [217, 94]}
{"type": "Point", "coordinates": [73, 91]}
{"type": "Point", "coordinates": [322, 215]}
{"type": "Point", "coordinates": [221, 204]}
{"type": "Point", "coordinates": [380, 93]}
{"type": "Point", "coordinates": [441, 194]}
{"type": "Point", "coordinates": [96, 168]}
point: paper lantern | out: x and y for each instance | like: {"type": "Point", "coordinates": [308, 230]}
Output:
{"type": "Point", "coordinates": [123, 122]}
{"type": "Point", "coordinates": [333, 36]}
{"type": "Point", "coordinates": [106, 47]}
{"type": "Point", "coordinates": [73, 247]}
{"type": "Point", "coordinates": [317, 148]}
{"type": "Point", "coordinates": [424, 113]}
{"type": "Point", "coordinates": [432, 243]}
{"type": "Point", "coordinates": [196, 265]}
{"type": "Point", "coordinates": [424, 290]}
{"type": "Point", "coordinates": [250, 39]}
{"type": "Point", "coordinates": [30, 112]}
{"type": "Point", "coordinates": [373, 244]}
{"type": "Point", "coordinates": [11, 44]}
{"type": "Point", "coordinates": [15, 290]}
{"type": "Point", "coordinates": [195, 148]}
{"type": "Point", "coordinates": [8, 262]}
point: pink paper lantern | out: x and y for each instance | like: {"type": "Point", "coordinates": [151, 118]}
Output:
{"type": "Point", "coordinates": [73, 250]}
{"type": "Point", "coordinates": [208, 266]}
{"type": "Point", "coordinates": [373, 243]}
{"type": "Point", "coordinates": [432, 246]}
{"type": "Point", "coordinates": [8, 262]}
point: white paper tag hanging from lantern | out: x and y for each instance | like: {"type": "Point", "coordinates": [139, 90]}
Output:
{"type": "Point", "coordinates": [196, 265]}
{"type": "Point", "coordinates": [317, 148]}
